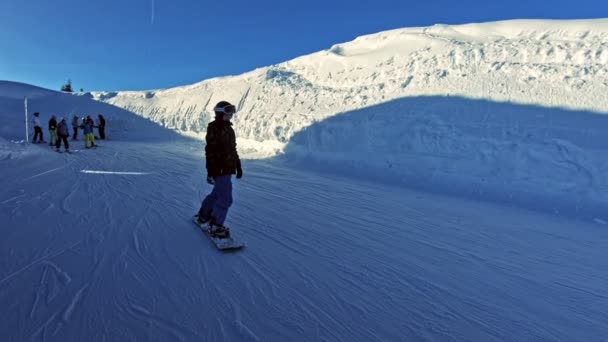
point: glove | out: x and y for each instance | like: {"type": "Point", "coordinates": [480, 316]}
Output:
{"type": "Point", "coordinates": [239, 170]}
{"type": "Point", "coordinates": [210, 180]}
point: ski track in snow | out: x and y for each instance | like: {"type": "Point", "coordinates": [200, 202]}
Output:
{"type": "Point", "coordinates": [325, 261]}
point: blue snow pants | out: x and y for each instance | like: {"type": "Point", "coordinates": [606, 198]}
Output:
{"type": "Point", "coordinates": [216, 204]}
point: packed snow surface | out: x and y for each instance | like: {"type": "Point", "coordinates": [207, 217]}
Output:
{"type": "Point", "coordinates": [445, 183]}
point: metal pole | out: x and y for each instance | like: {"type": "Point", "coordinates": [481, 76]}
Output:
{"type": "Point", "coordinates": [27, 134]}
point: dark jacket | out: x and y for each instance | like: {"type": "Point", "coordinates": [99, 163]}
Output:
{"type": "Point", "coordinates": [220, 152]}
{"type": "Point", "coordinates": [87, 126]}
{"type": "Point", "coordinates": [62, 129]}
{"type": "Point", "coordinates": [52, 124]}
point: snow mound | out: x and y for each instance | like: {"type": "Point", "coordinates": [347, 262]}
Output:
{"type": "Point", "coordinates": [16, 90]}
{"type": "Point", "coordinates": [383, 102]}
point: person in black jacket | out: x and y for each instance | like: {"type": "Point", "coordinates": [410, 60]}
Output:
{"type": "Point", "coordinates": [53, 130]}
{"type": "Point", "coordinates": [101, 126]}
{"type": "Point", "coordinates": [75, 124]}
{"type": "Point", "coordinates": [222, 161]}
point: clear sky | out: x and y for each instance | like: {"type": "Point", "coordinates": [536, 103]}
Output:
{"type": "Point", "coordinates": [150, 44]}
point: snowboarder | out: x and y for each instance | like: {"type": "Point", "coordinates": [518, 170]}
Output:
{"type": "Point", "coordinates": [222, 161]}
{"type": "Point", "coordinates": [63, 133]}
{"type": "Point", "coordinates": [37, 129]}
{"type": "Point", "coordinates": [53, 130]}
{"type": "Point", "coordinates": [101, 126]}
{"type": "Point", "coordinates": [87, 129]}
{"type": "Point", "coordinates": [75, 127]}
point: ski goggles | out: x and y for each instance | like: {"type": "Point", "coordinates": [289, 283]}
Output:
{"type": "Point", "coordinates": [226, 110]}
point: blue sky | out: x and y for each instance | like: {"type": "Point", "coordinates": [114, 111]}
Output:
{"type": "Point", "coordinates": [150, 44]}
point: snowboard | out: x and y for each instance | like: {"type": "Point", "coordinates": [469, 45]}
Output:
{"type": "Point", "coordinates": [229, 243]}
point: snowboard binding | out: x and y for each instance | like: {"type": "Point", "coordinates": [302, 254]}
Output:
{"type": "Point", "coordinates": [218, 231]}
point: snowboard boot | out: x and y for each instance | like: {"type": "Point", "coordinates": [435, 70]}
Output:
{"type": "Point", "coordinates": [202, 220]}
{"type": "Point", "coordinates": [219, 231]}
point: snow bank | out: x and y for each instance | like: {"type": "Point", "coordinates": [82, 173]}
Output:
{"type": "Point", "coordinates": [505, 76]}
{"type": "Point", "coordinates": [546, 158]}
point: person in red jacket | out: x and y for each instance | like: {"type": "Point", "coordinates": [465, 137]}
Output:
{"type": "Point", "coordinates": [63, 132]}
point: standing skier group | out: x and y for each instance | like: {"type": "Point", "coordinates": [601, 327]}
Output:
{"type": "Point", "coordinates": [60, 132]}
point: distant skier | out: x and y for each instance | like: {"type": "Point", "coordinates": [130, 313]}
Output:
{"type": "Point", "coordinates": [222, 161]}
{"type": "Point", "coordinates": [53, 130]}
{"type": "Point", "coordinates": [87, 129]}
{"type": "Point", "coordinates": [101, 127]}
{"type": "Point", "coordinates": [37, 129]}
{"type": "Point", "coordinates": [75, 127]}
{"type": "Point", "coordinates": [63, 132]}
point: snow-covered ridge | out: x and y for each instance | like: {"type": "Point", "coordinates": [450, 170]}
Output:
{"type": "Point", "coordinates": [16, 90]}
{"type": "Point", "coordinates": [425, 99]}
{"type": "Point", "coordinates": [550, 63]}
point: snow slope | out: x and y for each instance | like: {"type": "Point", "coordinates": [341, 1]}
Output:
{"type": "Point", "coordinates": [98, 246]}
{"type": "Point", "coordinates": [510, 111]}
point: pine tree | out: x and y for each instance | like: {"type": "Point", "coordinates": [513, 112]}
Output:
{"type": "Point", "coordinates": [67, 87]}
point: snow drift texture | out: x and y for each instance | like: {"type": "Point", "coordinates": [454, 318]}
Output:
{"type": "Point", "coordinates": [508, 110]}
{"type": "Point", "coordinates": [98, 245]}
